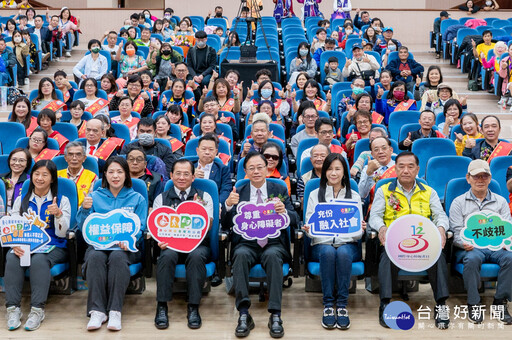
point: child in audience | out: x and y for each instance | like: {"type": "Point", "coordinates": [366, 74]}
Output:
{"type": "Point", "coordinates": [332, 72]}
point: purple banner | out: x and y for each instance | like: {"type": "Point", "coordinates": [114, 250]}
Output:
{"type": "Point", "coordinates": [259, 221]}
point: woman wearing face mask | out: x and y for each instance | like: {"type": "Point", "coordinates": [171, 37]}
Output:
{"type": "Point", "coordinates": [164, 63]}
{"type": "Point", "coordinates": [348, 30]}
{"type": "Point", "coordinates": [265, 92]}
{"type": "Point", "coordinates": [93, 65]}
{"type": "Point", "coordinates": [396, 100]}
{"type": "Point", "coordinates": [130, 63]}
{"type": "Point", "coordinates": [302, 63]}
{"type": "Point", "coordinates": [433, 79]}
{"type": "Point", "coordinates": [391, 47]}
{"type": "Point", "coordinates": [491, 5]}
{"type": "Point", "coordinates": [434, 100]}
{"type": "Point", "coordinates": [21, 50]}
{"type": "Point", "coordinates": [125, 116]}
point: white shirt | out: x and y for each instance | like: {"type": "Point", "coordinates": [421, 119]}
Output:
{"type": "Point", "coordinates": [206, 169]}
{"type": "Point", "coordinates": [88, 148]}
{"type": "Point", "coordinates": [253, 198]}
{"type": "Point", "coordinates": [366, 182]}
{"type": "Point", "coordinates": [37, 31]}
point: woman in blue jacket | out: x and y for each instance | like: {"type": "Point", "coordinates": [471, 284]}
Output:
{"type": "Point", "coordinates": [107, 271]}
{"type": "Point", "coordinates": [41, 198]}
{"type": "Point", "coordinates": [396, 100]}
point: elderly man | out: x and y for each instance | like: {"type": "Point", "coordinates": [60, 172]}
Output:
{"type": "Point", "coordinates": [361, 65]}
{"type": "Point", "coordinates": [182, 175]}
{"type": "Point", "coordinates": [486, 149]}
{"type": "Point", "coordinates": [358, 166]}
{"type": "Point", "coordinates": [387, 33]}
{"type": "Point", "coordinates": [137, 163]}
{"type": "Point", "coordinates": [421, 200]}
{"type": "Point", "coordinates": [260, 134]}
{"type": "Point", "coordinates": [270, 252]}
{"type": "Point", "coordinates": [380, 167]}
{"type": "Point", "coordinates": [146, 128]}
{"type": "Point", "coordinates": [480, 198]}
{"type": "Point", "coordinates": [309, 115]}
{"type": "Point", "coordinates": [318, 154]}
{"type": "Point", "coordinates": [405, 68]}
{"type": "Point", "coordinates": [75, 156]}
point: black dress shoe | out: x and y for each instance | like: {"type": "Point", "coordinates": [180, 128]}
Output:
{"type": "Point", "coordinates": [193, 317]}
{"type": "Point", "coordinates": [275, 324]}
{"type": "Point", "coordinates": [161, 318]}
{"type": "Point", "coordinates": [381, 317]}
{"type": "Point", "coordinates": [245, 324]}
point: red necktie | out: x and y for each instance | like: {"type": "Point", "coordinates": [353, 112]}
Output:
{"type": "Point", "coordinates": [91, 149]}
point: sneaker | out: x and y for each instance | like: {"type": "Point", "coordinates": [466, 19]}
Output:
{"type": "Point", "coordinates": [509, 102]}
{"type": "Point", "coordinates": [329, 318]}
{"type": "Point", "coordinates": [114, 321]}
{"type": "Point", "coordinates": [46, 56]}
{"type": "Point", "coordinates": [96, 320]}
{"type": "Point", "coordinates": [505, 317]}
{"type": "Point", "coordinates": [35, 317]}
{"type": "Point", "coordinates": [475, 314]}
{"type": "Point", "coordinates": [13, 317]}
{"type": "Point", "coordinates": [68, 54]}
{"type": "Point", "coordinates": [502, 101]}
{"type": "Point", "coordinates": [342, 320]}
{"type": "Point", "coordinates": [27, 81]}
{"type": "Point", "coordinates": [442, 316]}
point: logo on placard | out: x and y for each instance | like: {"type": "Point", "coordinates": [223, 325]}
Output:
{"type": "Point", "coordinates": [398, 315]}
{"type": "Point", "coordinates": [416, 243]}
{"type": "Point", "coordinates": [182, 229]}
{"type": "Point", "coordinates": [28, 229]}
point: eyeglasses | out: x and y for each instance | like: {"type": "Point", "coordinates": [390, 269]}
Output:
{"type": "Point", "coordinates": [481, 176]}
{"type": "Point", "coordinates": [18, 160]}
{"type": "Point", "coordinates": [362, 122]}
{"type": "Point", "coordinates": [37, 140]}
{"type": "Point", "coordinates": [212, 105]}
{"type": "Point", "coordinates": [325, 133]}
{"type": "Point", "coordinates": [135, 159]}
{"type": "Point", "coordinates": [253, 169]}
{"type": "Point", "coordinates": [269, 156]}
{"type": "Point", "coordinates": [89, 85]}
{"type": "Point", "coordinates": [75, 154]}
{"type": "Point", "coordinates": [308, 117]}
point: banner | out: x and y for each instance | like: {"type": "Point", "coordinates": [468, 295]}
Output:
{"type": "Point", "coordinates": [413, 243]}
{"type": "Point", "coordinates": [486, 229]}
{"type": "Point", "coordinates": [27, 232]}
{"type": "Point", "coordinates": [336, 219]}
{"type": "Point", "coordinates": [259, 221]}
{"type": "Point", "coordinates": [182, 229]}
{"type": "Point", "coordinates": [106, 231]}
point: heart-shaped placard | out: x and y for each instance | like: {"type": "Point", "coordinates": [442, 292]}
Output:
{"type": "Point", "coordinates": [182, 229]}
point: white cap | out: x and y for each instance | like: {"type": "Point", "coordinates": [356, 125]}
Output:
{"type": "Point", "coordinates": [478, 166]}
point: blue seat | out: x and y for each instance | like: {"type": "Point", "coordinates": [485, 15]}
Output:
{"type": "Point", "coordinates": [426, 148]}
{"type": "Point", "coordinates": [210, 187]}
{"type": "Point", "coordinates": [218, 22]}
{"type": "Point", "coordinates": [499, 24]}
{"type": "Point", "coordinates": [81, 94]}
{"type": "Point", "coordinates": [441, 169]}
{"type": "Point", "coordinates": [11, 133]}
{"type": "Point", "coordinates": [108, 56]}
{"type": "Point", "coordinates": [117, 113]}
{"type": "Point", "coordinates": [68, 130]}
{"type": "Point", "coordinates": [66, 116]}
{"type": "Point", "coordinates": [458, 186]}
{"type": "Point", "coordinates": [33, 95]}
{"type": "Point", "coordinates": [445, 45]}
{"type": "Point", "coordinates": [197, 21]}
{"type": "Point", "coordinates": [35, 39]}
{"type": "Point", "coordinates": [499, 166]}
{"type": "Point", "coordinates": [122, 131]}
{"type": "Point", "coordinates": [399, 118]}
{"type": "Point", "coordinates": [3, 193]}
{"type": "Point", "coordinates": [23, 143]}
{"type": "Point", "coordinates": [90, 163]}
{"type": "Point", "coordinates": [4, 166]}
{"type": "Point", "coordinates": [168, 94]}
{"type": "Point", "coordinates": [325, 56]}
{"type": "Point", "coordinates": [214, 41]}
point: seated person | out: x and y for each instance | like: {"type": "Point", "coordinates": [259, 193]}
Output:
{"type": "Point", "coordinates": [333, 74]}
{"type": "Point", "coordinates": [260, 133]}
{"type": "Point", "coordinates": [303, 62]}
{"type": "Point", "coordinates": [309, 115]}
{"type": "Point", "coordinates": [491, 127]}
{"type": "Point", "coordinates": [366, 155]}
{"type": "Point", "coordinates": [211, 106]}
{"type": "Point", "coordinates": [129, 63]}
{"type": "Point", "coordinates": [125, 116]}
{"type": "Point", "coordinates": [46, 120]}
{"type": "Point", "coordinates": [325, 134]}
{"type": "Point", "coordinates": [380, 167]}
{"type": "Point", "coordinates": [93, 104]}
{"type": "Point", "coordinates": [312, 93]}
{"type": "Point", "coordinates": [18, 161]}
{"type": "Point", "coordinates": [62, 83]}
{"type": "Point", "coordinates": [21, 113]}
{"type": "Point", "coordinates": [21, 51]}
{"type": "Point", "coordinates": [471, 128]}
{"type": "Point", "coordinates": [144, 40]}
{"type": "Point", "coordinates": [221, 90]}
{"type": "Point", "coordinates": [146, 140]}
{"type": "Point", "coordinates": [108, 84]}
{"type": "Point", "coordinates": [405, 68]}
{"type": "Point", "coordinates": [266, 106]}
{"type": "Point", "coordinates": [175, 115]}
{"type": "Point", "coordinates": [452, 112]}
{"type": "Point", "coordinates": [363, 124]}
{"type": "Point", "coordinates": [47, 98]}
{"type": "Point", "coordinates": [178, 98]}
{"type": "Point", "coordinates": [318, 154]}
{"type": "Point", "coordinates": [274, 156]}
{"type": "Point", "coordinates": [205, 167]}
{"type": "Point", "coordinates": [421, 200]}
{"type": "Point", "coordinates": [75, 156]}
{"type": "Point", "coordinates": [201, 59]}
{"type": "Point", "coordinates": [271, 253]}
{"type": "Point", "coordinates": [265, 91]}
{"type": "Point", "coordinates": [346, 103]}
{"type": "Point", "coordinates": [480, 198]}
{"type": "Point", "coordinates": [93, 65]}
{"type": "Point", "coordinates": [361, 65]}
{"type": "Point", "coordinates": [182, 174]}
{"type": "Point", "coordinates": [37, 142]}
{"type": "Point", "coordinates": [140, 99]}
{"type": "Point", "coordinates": [432, 80]}
{"type": "Point", "coordinates": [42, 199]}
{"type": "Point", "coordinates": [427, 121]}
{"type": "Point", "coordinates": [137, 162]}
{"type": "Point", "coordinates": [330, 45]}
{"type": "Point", "coordinates": [434, 100]}
{"type": "Point", "coordinates": [9, 60]}
{"type": "Point", "coordinates": [76, 109]}
{"type": "Point", "coordinates": [396, 100]}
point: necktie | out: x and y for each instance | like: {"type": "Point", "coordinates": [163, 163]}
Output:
{"type": "Point", "coordinates": [183, 196]}
{"type": "Point", "coordinates": [259, 200]}
{"type": "Point", "coordinates": [91, 149]}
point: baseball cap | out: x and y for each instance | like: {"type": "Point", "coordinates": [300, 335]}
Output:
{"type": "Point", "coordinates": [478, 166]}
{"type": "Point", "coordinates": [356, 46]}
{"type": "Point", "coordinates": [388, 28]}
{"type": "Point", "coordinates": [444, 14]}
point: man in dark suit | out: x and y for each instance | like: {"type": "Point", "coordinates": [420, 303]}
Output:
{"type": "Point", "coordinates": [208, 168]}
{"type": "Point", "coordinates": [182, 175]}
{"type": "Point", "coordinates": [44, 35]}
{"type": "Point", "coordinates": [93, 140]}
{"type": "Point", "coordinates": [271, 253]}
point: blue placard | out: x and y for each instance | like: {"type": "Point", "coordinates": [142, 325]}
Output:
{"type": "Point", "coordinates": [106, 231]}
{"type": "Point", "coordinates": [336, 219]}
{"type": "Point", "coordinates": [26, 230]}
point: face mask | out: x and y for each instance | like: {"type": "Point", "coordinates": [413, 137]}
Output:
{"type": "Point", "coordinates": [218, 14]}
{"type": "Point", "coordinates": [357, 91]}
{"type": "Point", "coordinates": [303, 53]}
{"type": "Point", "coordinates": [130, 53]}
{"type": "Point", "coordinates": [488, 3]}
{"type": "Point", "coordinates": [146, 139]}
{"type": "Point", "coordinates": [348, 31]}
{"type": "Point", "coordinates": [399, 95]}
{"type": "Point", "coordinates": [392, 48]}
{"type": "Point", "coordinates": [167, 16]}
{"type": "Point", "coordinates": [17, 39]}
{"type": "Point", "coordinates": [266, 93]}
{"type": "Point", "coordinates": [95, 49]}
{"type": "Point", "coordinates": [146, 16]}
{"type": "Point", "coordinates": [166, 52]}
{"type": "Point", "coordinates": [126, 27]}
{"type": "Point", "coordinates": [201, 44]}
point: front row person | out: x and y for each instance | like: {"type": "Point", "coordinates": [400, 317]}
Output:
{"type": "Point", "coordinates": [334, 254]}
{"type": "Point", "coordinates": [42, 199]}
{"type": "Point", "coordinates": [271, 253]}
{"type": "Point", "coordinates": [476, 199]}
{"type": "Point", "coordinates": [182, 176]}
{"type": "Point", "coordinates": [107, 271]}
{"type": "Point", "coordinates": [415, 198]}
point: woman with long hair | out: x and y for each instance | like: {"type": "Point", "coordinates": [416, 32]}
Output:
{"type": "Point", "coordinates": [21, 113]}
{"type": "Point", "coordinates": [19, 162]}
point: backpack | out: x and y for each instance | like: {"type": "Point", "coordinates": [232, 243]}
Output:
{"type": "Point", "coordinates": [473, 85]}
{"type": "Point", "coordinates": [14, 93]}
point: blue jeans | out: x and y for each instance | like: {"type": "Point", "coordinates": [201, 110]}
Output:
{"type": "Point", "coordinates": [473, 260]}
{"type": "Point", "coordinates": [335, 270]}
